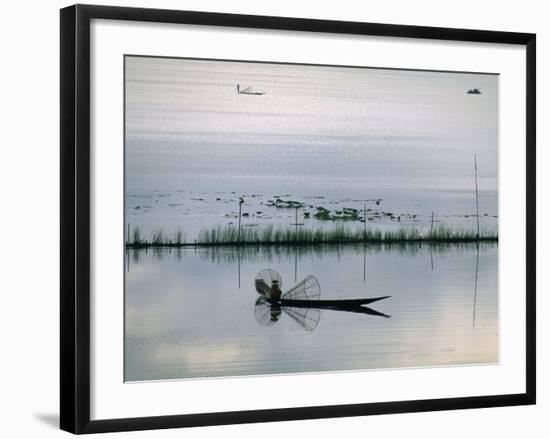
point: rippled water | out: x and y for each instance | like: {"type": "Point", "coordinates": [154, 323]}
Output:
{"type": "Point", "coordinates": [325, 136]}
{"type": "Point", "coordinates": [191, 313]}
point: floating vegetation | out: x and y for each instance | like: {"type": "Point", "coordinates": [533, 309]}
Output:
{"type": "Point", "coordinates": [346, 214]}
{"type": "Point", "coordinates": [271, 235]}
{"type": "Point", "coordinates": [342, 210]}
{"type": "Point", "coordinates": [285, 204]}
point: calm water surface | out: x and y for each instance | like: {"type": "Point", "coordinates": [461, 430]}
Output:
{"type": "Point", "coordinates": [399, 143]}
{"type": "Point", "coordinates": [190, 312]}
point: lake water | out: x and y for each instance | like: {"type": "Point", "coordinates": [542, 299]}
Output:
{"type": "Point", "coordinates": [329, 137]}
{"type": "Point", "coordinates": [191, 313]}
{"type": "Point", "coordinates": [397, 144]}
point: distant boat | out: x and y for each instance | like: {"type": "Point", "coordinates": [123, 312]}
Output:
{"type": "Point", "coordinates": [248, 91]}
{"type": "Point", "coordinates": [474, 91]}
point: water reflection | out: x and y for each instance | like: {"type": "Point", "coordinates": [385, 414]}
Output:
{"type": "Point", "coordinates": [185, 316]}
{"type": "Point", "coordinates": [231, 254]}
{"type": "Point", "coordinates": [307, 315]}
{"type": "Point", "coordinates": [475, 287]}
{"type": "Point", "coordinates": [250, 253]}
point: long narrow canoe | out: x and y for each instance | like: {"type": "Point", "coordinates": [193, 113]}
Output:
{"type": "Point", "coordinates": [344, 303]}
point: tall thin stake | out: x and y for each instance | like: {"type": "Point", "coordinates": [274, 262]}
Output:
{"type": "Point", "coordinates": [295, 263]}
{"type": "Point", "coordinates": [364, 261]}
{"type": "Point", "coordinates": [239, 265]}
{"type": "Point", "coordinates": [365, 222]}
{"type": "Point", "coordinates": [475, 289]}
{"type": "Point", "coordinates": [296, 227]}
{"type": "Point", "coordinates": [432, 225]}
{"type": "Point", "coordinates": [477, 198]}
{"type": "Point", "coordinates": [365, 242]}
{"type": "Point", "coordinates": [240, 210]}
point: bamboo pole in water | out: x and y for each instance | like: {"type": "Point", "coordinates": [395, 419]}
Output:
{"type": "Point", "coordinates": [296, 225]}
{"type": "Point", "coordinates": [365, 221]}
{"type": "Point", "coordinates": [477, 197]}
{"type": "Point", "coordinates": [240, 210]}
{"type": "Point", "coordinates": [365, 242]}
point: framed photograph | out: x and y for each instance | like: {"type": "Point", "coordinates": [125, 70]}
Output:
{"type": "Point", "coordinates": [268, 218]}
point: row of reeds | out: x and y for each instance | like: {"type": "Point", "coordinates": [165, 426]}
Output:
{"type": "Point", "coordinates": [278, 235]}
{"type": "Point", "coordinates": [158, 238]}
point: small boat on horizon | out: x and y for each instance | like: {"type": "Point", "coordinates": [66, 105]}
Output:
{"type": "Point", "coordinates": [248, 91]}
{"type": "Point", "coordinates": [474, 91]}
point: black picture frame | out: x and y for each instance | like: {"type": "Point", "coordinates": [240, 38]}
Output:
{"type": "Point", "coordinates": [75, 217]}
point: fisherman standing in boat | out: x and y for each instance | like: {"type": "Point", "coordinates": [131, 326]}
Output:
{"type": "Point", "coordinates": [268, 284]}
{"type": "Point", "coordinates": [275, 291]}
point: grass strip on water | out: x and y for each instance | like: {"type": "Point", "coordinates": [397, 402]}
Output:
{"type": "Point", "coordinates": [340, 234]}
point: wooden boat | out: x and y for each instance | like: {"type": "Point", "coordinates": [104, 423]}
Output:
{"type": "Point", "coordinates": [328, 304]}
{"type": "Point", "coordinates": [302, 302]}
